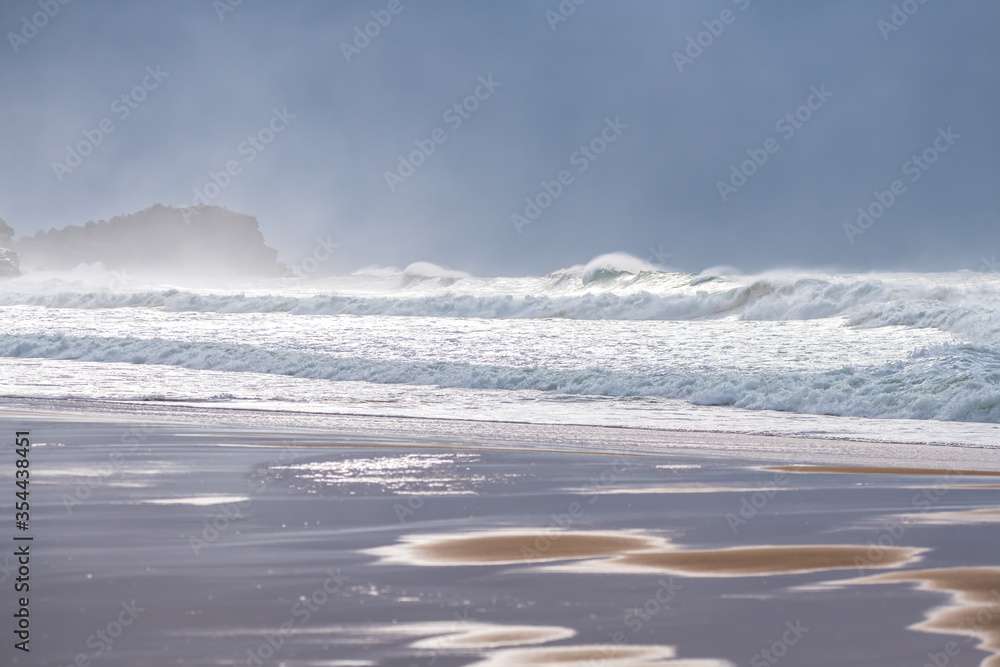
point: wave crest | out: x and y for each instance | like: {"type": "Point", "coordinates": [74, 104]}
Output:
{"type": "Point", "coordinates": [949, 382]}
{"type": "Point", "coordinates": [611, 287]}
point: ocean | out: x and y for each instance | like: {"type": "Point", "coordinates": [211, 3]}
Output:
{"type": "Point", "coordinates": [900, 357]}
{"type": "Point", "coordinates": [416, 467]}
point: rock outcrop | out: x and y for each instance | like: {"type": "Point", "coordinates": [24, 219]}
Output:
{"type": "Point", "coordinates": [161, 240]}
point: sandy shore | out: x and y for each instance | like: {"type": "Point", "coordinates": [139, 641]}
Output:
{"type": "Point", "coordinates": [242, 544]}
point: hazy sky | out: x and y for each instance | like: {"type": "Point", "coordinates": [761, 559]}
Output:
{"type": "Point", "coordinates": [199, 78]}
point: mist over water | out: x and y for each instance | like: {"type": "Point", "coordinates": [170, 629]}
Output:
{"type": "Point", "coordinates": [296, 113]}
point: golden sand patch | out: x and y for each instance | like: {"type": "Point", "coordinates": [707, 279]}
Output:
{"type": "Point", "coordinates": [762, 560]}
{"type": "Point", "coordinates": [882, 470]}
{"type": "Point", "coordinates": [975, 608]}
{"type": "Point", "coordinates": [527, 547]}
{"type": "Point", "coordinates": [611, 552]}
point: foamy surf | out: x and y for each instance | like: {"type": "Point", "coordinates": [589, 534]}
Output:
{"type": "Point", "coordinates": [874, 346]}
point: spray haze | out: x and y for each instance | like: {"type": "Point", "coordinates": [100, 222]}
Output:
{"type": "Point", "coordinates": [406, 131]}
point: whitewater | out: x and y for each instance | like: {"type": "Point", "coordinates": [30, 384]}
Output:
{"type": "Point", "coordinates": [617, 342]}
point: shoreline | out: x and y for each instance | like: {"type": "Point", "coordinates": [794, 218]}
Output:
{"type": "Point", "coordinates": [181, 413]}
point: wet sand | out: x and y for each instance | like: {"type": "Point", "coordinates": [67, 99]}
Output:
{"type": "Point", "coordinates": [527, 547]}
{"type": "Point", "coordinates": [764, 560]}
{"type": "Point", "coordinates": [974, 613]}
{"type": "Point", "coordinates": [623, 553]}
{"type": "Point", "coordinates": [236, 546]}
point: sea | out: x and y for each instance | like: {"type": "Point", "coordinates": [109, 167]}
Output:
{"type": "Point", "coordinates": [883, 357]}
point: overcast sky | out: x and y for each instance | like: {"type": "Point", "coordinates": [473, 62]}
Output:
{"type": "Point", "coordinates": [339, 108]}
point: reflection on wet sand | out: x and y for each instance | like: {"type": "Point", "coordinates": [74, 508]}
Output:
{"type": "Point", "coordinates": [975, 608]}
{"type": "Point", "coordinates": [674, 489]}
{"type": "Point", "coordinates": [955, 518]}
{"type": "Point", "coordinates": [881, 470]}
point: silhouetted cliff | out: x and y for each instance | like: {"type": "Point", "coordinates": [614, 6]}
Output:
{"type": "Point", "coordinates": [161, 240]}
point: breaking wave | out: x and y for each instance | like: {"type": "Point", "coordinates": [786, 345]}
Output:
{"type": "Point", "coordinates": [967, 304]}
{"type": "Point", "coordinates": [615, 286]}
{"type": "Point", "coordinates": [958, 382]}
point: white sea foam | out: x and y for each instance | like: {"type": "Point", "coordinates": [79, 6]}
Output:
{"type": "Point", "coordinates": [967, 303]}
{"type": "Point", "coordinates": [948, 382]}
{"type": "Point", "coordinates": [613, 265]}
{"type": "Point", "coordinates": [754, 361]}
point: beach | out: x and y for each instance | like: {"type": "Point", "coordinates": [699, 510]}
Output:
{"type": "Point", "coordinates": [520, 334]}
{"type": "Point", "coordinates": [182, 535]}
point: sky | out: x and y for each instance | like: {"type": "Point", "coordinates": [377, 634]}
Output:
{"type": "Point", "coordinates": [689, 133]}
